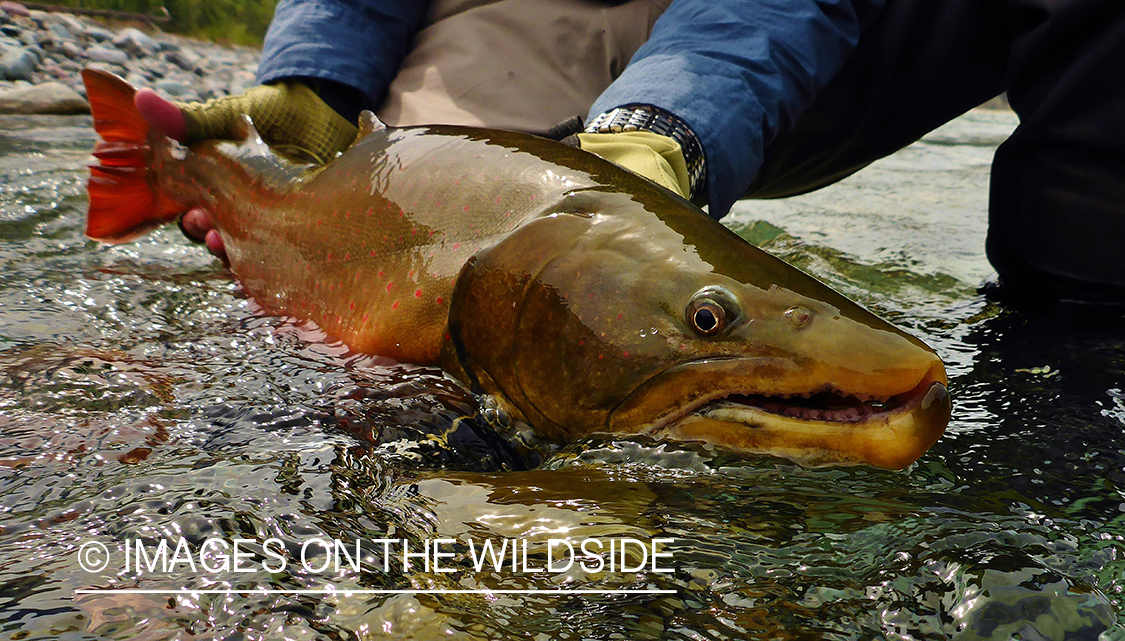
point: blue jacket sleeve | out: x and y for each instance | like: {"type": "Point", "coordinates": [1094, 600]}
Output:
{"type": "Point", "coordinates": [738, 72]}
{"type": "Point", "coordinates": [356, 42]}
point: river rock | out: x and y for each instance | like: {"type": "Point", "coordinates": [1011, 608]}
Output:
{"type": "Point", "coordinates": [184, 59]}
{"type": "Point", "coordinates": [70, 50]}
{"type": "Point", "coordinates": [135, 42]}
{"type": "Point", "coordinates": [60, 31]}
{"type": "Point", "coordinates": [97, 34]}
{"type": "Point", "coordinates": [14, 9]}
{"type": "Point", "coordinates": [71, 23]}
{"type": "Point", "coordinates": [99, 53]}
{"type": "Point", "coordinates": [17, 64]}
{"type": "Point", "coordinates": [46, 98]}
{"type": "Point", "coordinates": [173, 88]}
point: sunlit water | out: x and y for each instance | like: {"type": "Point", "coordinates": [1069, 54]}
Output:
{"type": "Point", "coordinates": [142, 398]}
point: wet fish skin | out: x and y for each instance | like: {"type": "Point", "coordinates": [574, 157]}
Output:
{"type": "Point", "coordinates": [537, 273]}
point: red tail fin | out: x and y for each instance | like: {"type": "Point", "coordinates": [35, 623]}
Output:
{"type": "Point", "coordinates": [123, 203]}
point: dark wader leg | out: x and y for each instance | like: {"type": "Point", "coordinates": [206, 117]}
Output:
{"type": "Point", "coordinates": [1057, 222]}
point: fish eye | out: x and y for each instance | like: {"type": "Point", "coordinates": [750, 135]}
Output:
{"type": "Point", "coordinates": [707, 317]}
{"type": "Point", "coordinates": [711, 311]}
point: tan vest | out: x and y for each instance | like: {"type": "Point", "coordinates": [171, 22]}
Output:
{"type": "Point", "coordinates": [515, 64]}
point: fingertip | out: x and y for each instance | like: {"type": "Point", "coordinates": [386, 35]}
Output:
{"type": "Point", "coordinates": [214, 244]}
{"type": "Point", "coordinates": [161, 114]}
{"type": "Point", "coordinates": [196, 223]}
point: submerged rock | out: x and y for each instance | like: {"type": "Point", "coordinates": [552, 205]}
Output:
{"type": "Point", "coordinates": [46, 98]}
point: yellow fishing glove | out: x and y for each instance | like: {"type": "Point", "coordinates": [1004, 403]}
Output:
{"type": "Point", "coordinates": [656, 157]}
{"type": "Point", "coordinates": [288, 115]}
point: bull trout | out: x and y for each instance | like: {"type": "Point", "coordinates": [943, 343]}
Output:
{"type": "Point", "coordinates": [581, 296]}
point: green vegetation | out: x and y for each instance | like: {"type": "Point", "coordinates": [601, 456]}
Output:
{"type": "Point", "coordinates": [236, 21]}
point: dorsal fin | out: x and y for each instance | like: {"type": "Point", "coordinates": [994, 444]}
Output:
{"type": "Point", "coordinates": [247, 134]}
{"type": "Point", "coordinates": [368, 123]}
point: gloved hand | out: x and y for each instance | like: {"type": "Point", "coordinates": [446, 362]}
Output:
{"type": "Point", "coordinates": [288, 115]}
{"type": "Point", "coordinates": [656, 157]}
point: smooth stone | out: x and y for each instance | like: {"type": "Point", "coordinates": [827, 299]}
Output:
{"type": "Point", "coordinates": [118, 70]}
{"type": "Point", "coordinates": [98, 53]}
{"type": "Point", "coordinates": [70, 50]}
{"type": "Point", "coordinates": [137, 80]}
{"type": "Point", "coordinates": [135, 42]}
{"type": "Point", "coordinates": [14, 9]}
{"type": "Point", "coordinates": [60, 31]}
{"type": "Point", "coordinates": [173, 88]}
{"type": "Point", "coordinates": [47, 98]}
{"type": "Point", "coordinates": [72, 23]}
{"type": "Point", "coordinates": [98, 34]}
{"type": "Point", "coordinates": [184, 59]}
{"type": "Point", "coordinates": [17, 64]}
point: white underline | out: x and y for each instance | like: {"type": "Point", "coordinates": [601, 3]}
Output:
{"type": "Point", "coordinates": [349, 592]}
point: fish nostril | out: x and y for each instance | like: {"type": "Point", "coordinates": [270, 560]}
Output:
{"type": "Point", "coordinates": [799, 316]}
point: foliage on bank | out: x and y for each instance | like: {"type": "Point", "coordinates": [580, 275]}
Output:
{"type": "Point", "coordinates": [236, 21]}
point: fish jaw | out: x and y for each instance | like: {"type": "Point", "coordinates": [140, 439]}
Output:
{"type": "Point", "coordinates": [814, 427]}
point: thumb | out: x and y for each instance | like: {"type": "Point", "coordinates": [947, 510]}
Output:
{"type": "Point", "coordinates": [161, 114]}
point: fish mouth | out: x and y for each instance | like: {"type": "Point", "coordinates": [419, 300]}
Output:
{"type": "Point", "coordinates": [887, 425]}
{"type": "Point", "coordinates": [825, 406]}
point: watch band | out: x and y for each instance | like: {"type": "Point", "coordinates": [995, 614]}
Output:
{"type": "Point", "coordinates": [658, 121]}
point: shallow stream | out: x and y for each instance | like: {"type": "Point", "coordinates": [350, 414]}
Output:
{"type": "Point", "coordinates": [141, 399]}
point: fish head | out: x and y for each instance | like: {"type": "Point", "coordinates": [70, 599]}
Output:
{"type": "Point", "coordinates": [608, 317]}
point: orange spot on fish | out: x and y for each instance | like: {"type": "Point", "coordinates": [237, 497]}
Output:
{"type": "Point", "coordinates": [456, 245]}
{"type": "Point", "coordinates": [625, 354]}
{"type": "Point", "coordinates": [389, 285]}
{"type": "Point", "coordinates": [328, 256]}
{"type": "Point", "coordinates": [601, 356]}
{"type": "Point", "coordinates": [380, 273]}
{"type": "Point", "coordinates": [371, 253]}
{"type": "Point", "coordinates": [417, 293]}
{"type": "Point", "coordinates": [498, 199]}
{"type": "Point", "coordinates": [591, 295]}
{"type": "Point", "coordinates": [466, 208]}
{"type": "Point", "coordinates": [395, 306]}
{"type": "Point", "coordinates": [352, 306]}
{"type": "Point", "coordinates": [439, 300]}
{"type": "Point", "coordinates": [620, 316]}
{"type": "Point", "coordinates": [347, 256]}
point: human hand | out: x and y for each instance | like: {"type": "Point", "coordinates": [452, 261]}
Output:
{"type": "Point", "coordinates": [288, 115]}
{"type": "Point", "coordinates": [656, 157]}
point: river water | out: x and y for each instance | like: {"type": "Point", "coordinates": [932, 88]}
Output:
{"type": "Point", "coordinates": [141, 399]}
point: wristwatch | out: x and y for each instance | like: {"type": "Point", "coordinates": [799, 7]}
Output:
{"type": "Point", "coordinates": [658, 121]}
